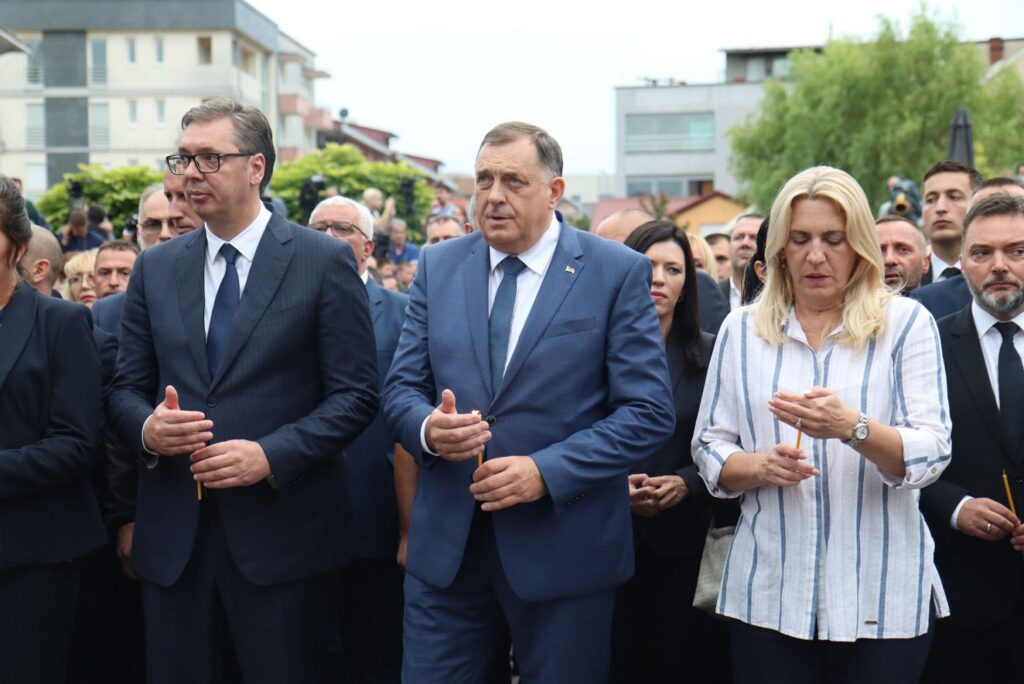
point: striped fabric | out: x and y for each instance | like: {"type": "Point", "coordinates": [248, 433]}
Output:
{"type": "Point", "coordinates": [845, 555]}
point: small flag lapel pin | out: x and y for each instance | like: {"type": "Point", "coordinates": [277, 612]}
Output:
{"type": "Point", "coordinates": [570, 270]}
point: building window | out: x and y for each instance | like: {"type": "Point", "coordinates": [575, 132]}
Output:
{"type": "Point", "coordinates": [98, 70]}
{"type": "Point", "coordinates": [670, 132]}
{"type": "Point", "coordinates": [234, 52]}
{"type": "Point", "coordinates": [99, 125]}
{"type": "Point", "coordinates": [205, 44]}
{"type": "Point", "coordinates": [248, 63]}
{"type": "Point", "coordinates": [655, 185]}
{"type": "Point", "coordinates": [158, 50]}
{"type": "Point", "coordinates": [131, 50]}
{"type": "Point", "coordinates": [133, 112]}
{"type": "Point", "coordinates": [161, 113]}
{"type": "Point", "coordinates": [35, 179]}
{"type": "Point", "coordinates": [35, 118]}
{"type": "Point", "coordinates": [34, 72]}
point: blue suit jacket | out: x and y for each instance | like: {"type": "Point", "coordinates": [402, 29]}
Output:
{"type": "Point", "coordinates": [106, 314]}
{"type": "Point", "coordinates": [298, 375]}
{"type": "Point", "coordinates": [586, 394]}
{"type": "Point", "coordinates": [371, 478]}
{"type": "Point", "coordinates": [944, 297]}
{"type": "Point", "coordinates": [50, 427]}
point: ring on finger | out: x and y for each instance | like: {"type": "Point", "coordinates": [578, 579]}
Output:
{"type": "Point", "coordinates": [799, 420]}
{"type": "Point", "coordinates": [989, 528]}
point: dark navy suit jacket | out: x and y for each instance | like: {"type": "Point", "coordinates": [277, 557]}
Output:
{"type": "Point", "coordinates": [50, 427]}
{"type": "Point", "coordinates": [945, 297]}
{"type": "Point", "coordinates": [106, 314]}
{"type": "Point", "coordinates": [298, 375]}
{"type": "Point", "coordinates": [371, 478]}
{"type": "Point", "coordinates": [586, 394]}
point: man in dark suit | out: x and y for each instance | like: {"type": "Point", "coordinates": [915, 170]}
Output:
{"type": "Point", "coordinates": [551, 335]}
{"type": "Point", "coordinates": [904, 252]}
{"type": "Point", "coordinates": [968, 509]}
{"type": "Point", "coordinates": [742, 245]}
{"type": "Point", "coordinates": [371, 584]}
{"type": "Point", "coordinates": [950, 295]}
{"type": "Point", "coordinates": [253, 341]}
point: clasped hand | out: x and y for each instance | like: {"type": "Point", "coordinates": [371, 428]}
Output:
{"type": "Point", "coordinates": [820, 412]}
{"type": "Point", "coordinates": [648, 496]}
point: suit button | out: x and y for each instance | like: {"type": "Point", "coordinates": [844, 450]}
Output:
{"type": "Point", "coordinates": [491, 420]}
{"type": "Point", "coordinates": [211, 401]}
{"type": "Point", "coordinates": [1019, 479]}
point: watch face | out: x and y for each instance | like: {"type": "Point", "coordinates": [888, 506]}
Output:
{"type": "Point", "coordinates": [860, 432]}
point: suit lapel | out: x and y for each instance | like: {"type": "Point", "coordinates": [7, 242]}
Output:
{"type": "Point", "coordinates": [676, 364]}
{"type": "Point", "coordinates": [376, 297]}
{"type": "Point", "coordinates": [192, 298]}
{"type": "Point", "coordinates": [19, 318]}
{"type": "Point", "coordinates": [966, 349]}
{"type": "Point", "coordinates": [562, 273]}
{"type": "Point", "coordinates": [273, 255]}
{"type": "Point", "coordinates": [474, 278]}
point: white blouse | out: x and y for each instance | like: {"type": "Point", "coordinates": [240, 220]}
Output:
{"type": "Point", "coordinates": [844, 555]}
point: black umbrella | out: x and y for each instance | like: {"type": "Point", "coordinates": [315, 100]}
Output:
{"type": "Point", "coordinates": [961, 138]}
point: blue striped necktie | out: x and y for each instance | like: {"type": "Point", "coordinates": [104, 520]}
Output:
{"type": "Point", "coordinates": [500, 325]}
{"type": "Point", "coordinates": [224, 307]}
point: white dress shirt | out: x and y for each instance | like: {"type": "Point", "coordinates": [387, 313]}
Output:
{"type": "Point", "coordinates": [537, 259]}
{"type": "Point", "coordinates": [246, 243]}
{"type": "Point", "coordinates": [846, 554]}
{"type": "Point", "coordinates": [938, 266]}
{"type": "Point", "coordinates": [991, 340]}
{"type": "Point", "coordinates": [735, 296]}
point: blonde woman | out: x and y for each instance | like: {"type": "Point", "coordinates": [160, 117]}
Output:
{"type": "Point", "coordinates": [825, 411]}
{"type": "Point", "coordinates": [703, 257]}
{"type": "Point", "coordinates": [78, 280]}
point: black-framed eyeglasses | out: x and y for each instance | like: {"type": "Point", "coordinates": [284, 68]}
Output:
{"type": "Point", "coordinates": [340, 229]}
{"type": "Point", "coordinates": [206, 162]}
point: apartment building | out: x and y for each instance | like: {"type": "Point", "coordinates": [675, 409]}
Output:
{"type": "Point", "coordinates": [107, 81]}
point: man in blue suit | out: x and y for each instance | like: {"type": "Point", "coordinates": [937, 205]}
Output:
{"type": "Point", "coordinates": [541, 345]}
{"type": "Point", "coordinates": [371, 584]}
{"type": "Point", "coordinates": [253, 341]}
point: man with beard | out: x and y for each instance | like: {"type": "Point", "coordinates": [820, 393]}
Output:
{"type": "Point", "coordinates": [978, 537]}
{"type": "Point", "coordinates": [904, 251]}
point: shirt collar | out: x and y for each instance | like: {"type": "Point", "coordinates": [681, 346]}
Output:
{"type": "Point", "coordinates": [938, 266]}
{"type": "Point", "coordinates": [365, 275]}
{"type": "Point", "coordinates": [245, 242]}
{"type": "Point", "coordinates": [538, 257]}
{"type": "Point", "coordinates": [983, 320]}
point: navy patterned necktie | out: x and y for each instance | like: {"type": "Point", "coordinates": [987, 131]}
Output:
{"type": "Point", "coordinates": [500, 325]}
{"type": "Point", "coordinates": [1011, 387]}
{"type": "Point", "coordinates": [224, 308]}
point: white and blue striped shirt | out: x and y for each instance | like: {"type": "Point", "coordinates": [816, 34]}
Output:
{"type": "Point", "coordinates": [844, 555]}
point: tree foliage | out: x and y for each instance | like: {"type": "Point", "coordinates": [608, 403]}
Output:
{"type": "Point", "coordinates": [118, 190]}
{"type": "Point", "coordinates": [879, 108]}
{"type": "Point", "coordinates": [344, 167]}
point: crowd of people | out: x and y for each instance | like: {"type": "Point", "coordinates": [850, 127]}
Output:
{"type": "Point", "coordinates": [240, 449]}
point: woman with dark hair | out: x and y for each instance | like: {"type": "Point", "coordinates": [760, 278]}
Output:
{"type": "Point", "coordinates": [658, 635]}
{"type": "Point", "coordinates": [757, 270]}
{"type": "Point", "coordinates": [50, 421]}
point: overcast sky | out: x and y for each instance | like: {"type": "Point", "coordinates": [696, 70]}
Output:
{"type": "Point", "coordinates": [440, 74]}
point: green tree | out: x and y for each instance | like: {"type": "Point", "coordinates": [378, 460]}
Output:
{"type": "Point", "coordinates": [344, 167]}
{"type": "Point", "coordinates": [118, 190]}
{"type": "Point", "coordinates": [879, 108]}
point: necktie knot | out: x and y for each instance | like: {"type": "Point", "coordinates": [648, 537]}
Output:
{"type": "Point", "coordinates": [1007, 329]}
{"type": "Point", "coordinates": [512, 266]}
{"type": "Point", "coordinates": [950, 272]}
{"type": "Point", "coordinates": [228, 251]}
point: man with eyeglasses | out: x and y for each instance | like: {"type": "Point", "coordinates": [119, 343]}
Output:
{"type": "Point", "coordinates": [246, 368]}
{"type": "Point", "coordinates": [371, 584]}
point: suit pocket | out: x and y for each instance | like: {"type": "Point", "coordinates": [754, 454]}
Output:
{"type": "Point", "coordinates": [284, 314]}
{"type": "Point", "coordinates": [576, 325]}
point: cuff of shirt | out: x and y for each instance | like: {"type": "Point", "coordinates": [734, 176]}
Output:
{"type": "Point", "coordinates": [423, 438]}
{"type": "Point", "coordinates": [956, 512]}
{"type": "Point", "coordinates": [151, 458]}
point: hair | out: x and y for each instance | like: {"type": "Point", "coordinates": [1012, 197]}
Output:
{"type": "Point", "coordinates": [365, 223]}
{"type": "Point", "coordinates": [715, 238]}
{"type": "Point", "coordinates": [14, 224]}
{"type": "Point", "coordinates": [950, 166]}
{"type": "Point", "coordinates": [371, 192]}
{"type": "Point", "coordinates": [998, 182]}
{"type": "Point", "coordinates": [82, 263]}
{"type": "Point", "coordinates": [549, 152]}
{"type": "Point", "coordinates": [699, 244]}
{"type": "Point", "coordinates": [116, 246]}
{"type": "Point", "coordinates": [743, 217]}
{"type": "Point", "coordinates": [893, 218]}
{"type": "Point", "coordinates": [397, 222]}
{"type": "Point", "coordinates": [999, 204]}
{"type": "Point", "coordinates": [44, 245]}
{"type": "Point", "coordinates": [866, 295]}
{"type": "Point", "coordinates": [96, 213]}
{"type": "Point", "coordinates": [77, 217]}
{"type": "Point", "coordinates": [685, 334]}
{"type": "Point", "coordinates": [251, 129]}
{"type": "Point", "coordinates": [438, 219]}
{"type": "Point", "coordinates": [752, 285]}
{"type": "Point", "coordinates": [155, 187]}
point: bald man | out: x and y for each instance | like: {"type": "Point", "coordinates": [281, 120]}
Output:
{"type": "Point", "coordinates": [618, 226]}
{"type": "Point", "coordinates": [42, 261]}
